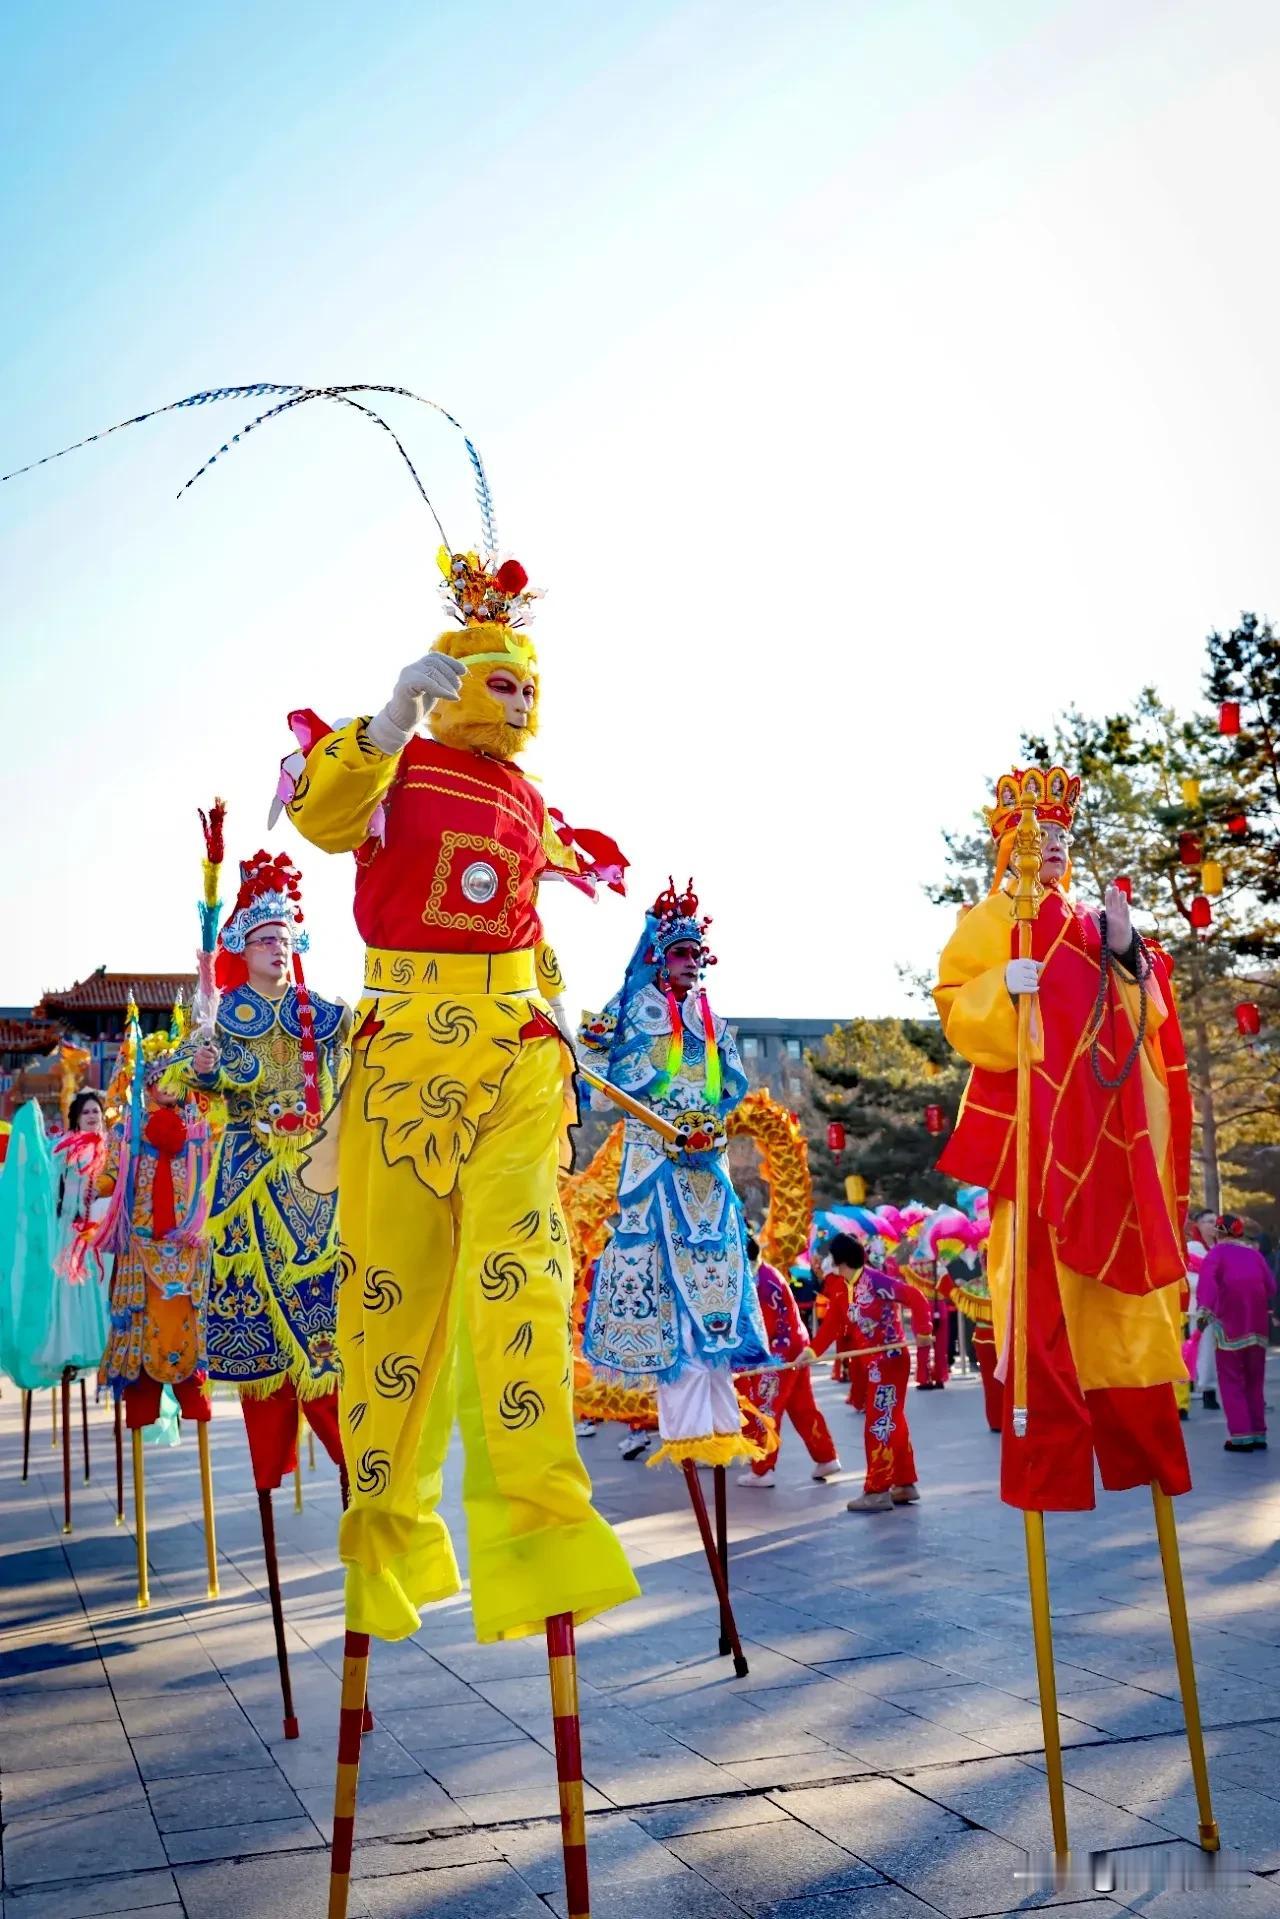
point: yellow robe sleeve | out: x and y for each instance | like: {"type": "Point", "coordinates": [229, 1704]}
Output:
{"type": "Point", "coordinates": [339, 788]}
{"type": "Point", "coordinates": [975, 1006]}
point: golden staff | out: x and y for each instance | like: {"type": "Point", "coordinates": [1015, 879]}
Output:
{"type": "Point", "coordinates": [1026, 906]}
{"type": "Point", "coordinates": [634, 1107]}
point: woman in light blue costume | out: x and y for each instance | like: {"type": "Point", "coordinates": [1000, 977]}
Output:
{"type": "Point", "coordinates": [53, 1308]}
{"type": "Point", "coordinates": [54, 1315]}
{"type": "Point", "coordinates": [673, 1298]}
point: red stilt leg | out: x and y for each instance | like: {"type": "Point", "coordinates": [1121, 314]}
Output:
{"type": "Point", "coordinates": [719, 1480]}
{"type": "Point", "coordinates": [66, 1449]}
{"type": "Point", "coordinates": [84, 1425]}
{"type": "Point", "coordinates": [355, 1674]}
{"type": "Point", "coordinates": [119, 1462]}
{"type": "Point", "coordinates": [562, 1658]}
{"type": "Point", "coordinates": [699, 1504]}
{"type": "Point", "coordinates": [26, 1434]}
{"type": "Point", "coordinates": [277, 1608]}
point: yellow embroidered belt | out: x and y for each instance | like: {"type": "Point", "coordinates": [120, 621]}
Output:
{"type": "Point", "coordinates": [388, 971]}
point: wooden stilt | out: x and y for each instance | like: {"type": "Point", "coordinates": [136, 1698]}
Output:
{"type": "Point", "coordinates": [368, 1722]}
{"type": "Point", "coordinates": [206, 1496]}
{"type": "Point", "coordinates": [699, 1505]}
{"type": "Point", "coordinates": [140, 1519]}
{"type": "Point", "coordinates": [355, 1675]}
{"type": "Point", "coordinates": [720, 1482]}
{"type": "Point", "coordinates": [119, 1425]}
{"type": "Point", "coordinates": [297, 1467]}
{"type": "Point", "coordinates": [64, 1391]}
{"type": "Point", "coordinates": [1175, 1593]}
{"type": "Point", "coordinates": [567, 1730]}
{"type": "Point", "coordinates": [291, 1730]}
{"type": "Point", "coordinates": [26, 1435]}
{"type": "Point", "coordinates": [1042, 1627]}
{"type": "Point", "coordinates": [84, 1424]}
{"type": "Point", "coordinates": [53, 1412]}
{"type": "Point", "coordinates": [311, 1450]}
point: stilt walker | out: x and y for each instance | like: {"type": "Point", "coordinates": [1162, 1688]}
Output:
{"type": "Point", "coordinates": [53, 1307]}
{"type": "Point", "coordinates": [1077, 1119]}
{"type": "Point", "coordinates": [450, 1143]}
{"type": "Point", "coordinates": [157, 1175]}
{"type": "Point", "coordinates": [273, 1053]}
{"type": "Point", "coordinates": [674, 1300]}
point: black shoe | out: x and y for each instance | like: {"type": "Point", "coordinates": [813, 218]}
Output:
{"type": "Point", "coordinates": [1238, 1446]}
{"type": "Point", "coordinates": [1210, 1400]}
{"type": "Point", "coordinates": [1259, 1445]}
{"type": "Point", "coordinates": [1183, 1413]}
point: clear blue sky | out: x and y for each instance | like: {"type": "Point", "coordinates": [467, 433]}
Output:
{"type": "Point", "coordinates": [864, 382]}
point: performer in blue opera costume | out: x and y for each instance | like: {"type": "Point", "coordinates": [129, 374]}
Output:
{"type": "Point", "coordinates": [673, 1299]}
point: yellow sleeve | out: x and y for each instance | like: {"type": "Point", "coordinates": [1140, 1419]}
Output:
{"type": "Point", "coordinates": [344, 778]}
{"type": "Point", "coordinates": [553, 846]}
{"type": "Point", "coordinates": [977, 1010]}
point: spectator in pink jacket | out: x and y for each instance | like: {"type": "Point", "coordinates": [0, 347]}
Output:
{"type": "Point", "coordinates": [1234, 1295]}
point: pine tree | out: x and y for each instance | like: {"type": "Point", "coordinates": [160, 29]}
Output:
{"type": "Point", "coordinates": [877, 1077]}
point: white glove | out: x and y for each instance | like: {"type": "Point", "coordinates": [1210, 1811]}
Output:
{"type": "Point", "coordinates": [1022, 976]}
{"type": "Point", "coordinates": [434, 677]}
{"type": "Point", "coordinates": [561, 1019]}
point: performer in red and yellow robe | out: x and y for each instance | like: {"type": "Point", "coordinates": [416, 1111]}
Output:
{"type": "Point", "coordinates": [1109, 1173]}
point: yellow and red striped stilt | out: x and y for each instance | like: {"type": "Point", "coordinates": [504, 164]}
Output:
{"type": "Point", "coordinates": [355, 1675]}
{"type": "Point", "coordinates": [563, 1660]}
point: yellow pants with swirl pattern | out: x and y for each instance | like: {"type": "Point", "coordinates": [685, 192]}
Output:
{"type": "Point", "coordinates": [454, 1305]}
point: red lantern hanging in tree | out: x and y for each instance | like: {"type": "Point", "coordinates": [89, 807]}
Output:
{"type": "Point", "coordinates": [935, 1119]}
{"type": "Point", "coordinates": [835, 1137]}
{"type": "Point", "coordinates": [1189, 849]}
{"type": "Point", "coordinates": [1229, 717]}
{"type": "Point", "coordinates": [1201, 913]}
{"type": "Point", "coordinates": [1248, 1020]}
{"type": "Point", "coordinates": [1237, 824]}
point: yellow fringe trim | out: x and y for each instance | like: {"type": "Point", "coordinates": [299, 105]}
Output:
{"type": "Point", "coordinates": [974, 1306]}
{"type": "Point", "coordinates": [712, 1449]}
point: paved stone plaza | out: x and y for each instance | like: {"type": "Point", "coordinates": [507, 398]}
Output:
{"type": "Point", "coordinates": [881, 1761]}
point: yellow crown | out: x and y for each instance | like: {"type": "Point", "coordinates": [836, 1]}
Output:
{"type": "Point", "coordinates": [480, 593]}
{"type": "Point", "coordinates": [1050, 789]}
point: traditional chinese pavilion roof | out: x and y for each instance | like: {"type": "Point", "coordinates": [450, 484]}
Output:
{"type": "Point", "coordinates": [28, 1036]}
{"type": "Point", "coordinates": [105, 992]}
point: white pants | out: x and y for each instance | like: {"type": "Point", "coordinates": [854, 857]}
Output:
{"type": "Point", "coordinates": [1207, 1360]}
{"type": "Point", "coordinates": [701, 1402]}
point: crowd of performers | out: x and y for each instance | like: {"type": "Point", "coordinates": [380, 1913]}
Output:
{"type": "Point", "coordinates": [367, 1219]}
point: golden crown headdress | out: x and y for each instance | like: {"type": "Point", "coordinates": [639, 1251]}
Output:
{"type": "Point", "coordinates": [1050, 789]}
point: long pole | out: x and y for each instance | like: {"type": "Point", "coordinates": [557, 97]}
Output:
{"type": "Point", "coordinates": [355, 1675]}
{"type": "Point", "coordinates": [291, 1729]}
{"type": "Point", "coordinates": [26, 1434]}
{"type": "Point", "coordinates": [699, 1505]}
{"type": "Point", "coordinates": [65, 1392]}
{"type": "Point", "coordinates": [1175, 1593]}
{"type": "Point", "coordinates": [719, 1478]}
{"type": "Point", "coordinates": [1042, 1628]}
{"type": "Point", "coordinates": [140, 1519]}
{"type": "Point", "coordinates": [119, 1425]}
{"type": "Point", "coordinates": [567, 1732]}
{"type": "Point", "coordinates": [84, 1424]}
{"type": "Point", "coordinates": [206, 1498]}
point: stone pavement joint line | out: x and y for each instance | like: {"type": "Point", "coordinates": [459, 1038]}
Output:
{"type": "Point", "coordinates": [882, 1760]}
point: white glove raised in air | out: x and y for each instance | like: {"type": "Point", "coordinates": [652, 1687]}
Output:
{"type": "Point", "coordinates": [434, 677]}
{"type": "Point", "coordinates": [1022, 976]}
